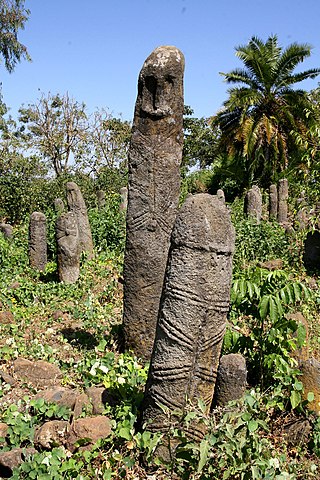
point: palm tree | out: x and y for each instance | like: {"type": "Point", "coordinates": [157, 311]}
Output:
{"type": "Point", "coordinates": [263, 111]}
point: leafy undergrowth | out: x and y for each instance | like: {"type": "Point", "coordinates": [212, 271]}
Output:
{"type": "Point", "coordinates": [78, 328]}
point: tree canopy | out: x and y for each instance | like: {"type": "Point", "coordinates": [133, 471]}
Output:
{"type": "Point", "coordinates": [13, 16]}
{"type": "Point", "coordinates": [264, 111]}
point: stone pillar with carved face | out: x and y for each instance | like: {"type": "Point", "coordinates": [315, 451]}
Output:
{"type": "Point", "coordinates": [155, 155]}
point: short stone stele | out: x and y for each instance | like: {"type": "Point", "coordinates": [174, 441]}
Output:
{"type": "Point", "coordinates": [193, 311]}
{"type": "Point", "coordinates": [38, 241]}
{"type": "Point", "coordinates": [153, 192]}
{"type": "Point", "coordinates": [77, 205]}
{"type": "Point", "coordinates": [68, 248]}
{"type": "Point", "coordinates": [231, 379]}
{"type": "Point", "coordinates": [253, 203]}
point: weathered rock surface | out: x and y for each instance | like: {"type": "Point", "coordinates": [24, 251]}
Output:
{"type": "Point", "coordinates": [98, 398]}
{"type": "Point", "coordinates": [58, 205]}
{"type": "Point", "coordinates": [6, 317]}
{"type": "Point", "coordinates": [77, 205]}
{"type": "Point", "coordinates": [283, 195]}
{"type": "Point", "coordinates": [13, 458]}
{"type": "Point", "coordinates": [154, 185]}
{"type": "Point", "coordinates": [90, 429]}
{"type": "Point", "coordinates": [311, 382]}
{"type": "Point", "coordinates": [297, 431]}
{"type": "Point", "coordinates": [194, 306]}
{"type": "Point", "coordinates": [273, 202]}
{"type": "Point", "coordinates": [51, 434]}
{"type": "Point", "coordinates": [253, 203]}
{"type": "Point", "coordinates": [220, 195]}
{"type": "Point", "coordinates": [38, 241]}
{"type": "Point", "coordinates": [101, 198]}
{"type": "Point", "coordinates": [276, 264]}
{"type": "Point", "coordinates": [231, 379]}
{"type": "Point", "coordinates": [311, 255]}
{"type": "Point", "coordinates": [3, 429]}
{"type": "Point", "coordinates": [68, 247]}
{"type": "Point", "coordinates": [39, 373]}
{"type": "Point", "coordinates": [124, 198]}
{"type": "Point", "coordinates": [7, 230]}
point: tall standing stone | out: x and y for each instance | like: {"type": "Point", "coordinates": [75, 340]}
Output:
{"type": "Point", "coordinates": [193, 311]}
{"type": "Point", "coordinates": [68, 247]}
{"type": "Point", "coordinates": [283, 195]}
{"type": "Point", "coordinates": [253, 203]}
{"type": "Point", "coordinates": [38, 241]}
{"type": "Point", "coordinates": [153, 192]}
{"type": "Point", "coordinates": [77, 205]}
{"type": "Point", "coordinates": [273, 202]}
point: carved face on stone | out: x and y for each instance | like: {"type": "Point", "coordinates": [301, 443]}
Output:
{"type": "Point", "coordinates": [160, 85]}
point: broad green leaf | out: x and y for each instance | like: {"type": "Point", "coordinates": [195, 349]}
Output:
{"type": "Point", "coordinates": [310, 396]}
{"type": "Point", "coordinates": [204, 451]}
{"type": "Point", "coordinates": [264, 306]}
{"type": "Point", "coordinates": [295, 398]}
{"type": "Point", "coordinates": [253, 425]}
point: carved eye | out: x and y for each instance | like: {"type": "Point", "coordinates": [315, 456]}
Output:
{"type": "Point", "coordinates": [170, 79]}
{"type": "Point", "coordinates": [151, 84]}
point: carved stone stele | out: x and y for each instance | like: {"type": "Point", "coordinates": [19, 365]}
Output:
{"type": "Point", "coordinates": [58, 205]}
{"type": "Point", "coordinates": [273, 202]}
{"type": "Point", "coordinates": [193, 311]}
{"type": "Point", "coordinates": [155, 155]}
{"type": "Point", "coordinates": [253, 203]}
{"type": "Point", "coordinates": [68, 247]}
{"type": "Point", "coordinates": [38, 241]}
{"type": "Point", "coordinates": [124, 198]}
{"type": "Point", "coordinates": [77, 205]}
{"type": "Point", "coordinates": [101, 198]}
{"type": "Point", "coordinates": [283, 195]}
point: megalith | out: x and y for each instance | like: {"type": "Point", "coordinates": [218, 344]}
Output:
{"type": "Point", "coordinates": [101, 198]}
{"type": "Point", "coordinates": [7, 230]}
{"type": "Point", "coordinates": [77, 205]}
{"type": "Point", "coordinates": [155, 155]}
{"type": "Point", "coordinates": [68, 247]}
{"type": "Point", "coordinates": [220, 195]}
{"type": "Point", "coordinates": [283, 195]}
{"type": "Point", "coordinates": [124, 199]}
{"type": "Point", "coordinates": [38, 241]}
{"type": "Point", "coordinates": [231, 379]}
{"type": "Point", "coordinates": [193, 312]}
{"type": "Point", "coordinates": [58, 205]}
{"type": "Point", "coordinates": [273, 202]}
{"type": "Point", "coordinates": [253, 203]}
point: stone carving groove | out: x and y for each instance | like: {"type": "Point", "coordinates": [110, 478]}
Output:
{"type": "Point", "coordinates": [193, 311]}
{"type": "Point", "coordinates": [155, 155]}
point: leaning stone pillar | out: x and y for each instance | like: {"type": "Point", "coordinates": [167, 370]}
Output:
{"type": "Point", "coordinates": [124, 199]}
{"type": "Point", "coordinates": [155, 155]}
{"type": "Point", "coordinates": [253, 203]}
{"type": "Point", "coordinates": [38, 241]}
{"type": "Point", "coordinates": [68, 247]}
{"type": "Point", "coordinates": [283, 195]}
{"type": "Point", "coordinates": [77, 205]}
{"type": "Point", "coordinates": [193, 311]}
{"type": "Point", "coordinates": [273, 202]}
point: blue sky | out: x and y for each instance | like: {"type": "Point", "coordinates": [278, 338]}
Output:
{"type": "Point", "coordinates": [94, 49]}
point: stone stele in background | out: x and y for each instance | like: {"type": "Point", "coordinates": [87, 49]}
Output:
{"type": "Point", "coordinates": [283, 194]}
{"type": "Point", "coordinates": [155, 155]}
{"type": "Point", "coordinates": [124, 198]}
{"type": "Point", "coordinates": [58, 205]}
{"type": "Point", "coordinates": [193, 312]}
{"type": "Point", "coordinates": [231, 379]}
{"type": "Point", "coordinates": [7, 230]}
{"type": "Point", "coordinates": [38, 241]}
{"type": "Point", "coordinates": [253, 203]}
{"type": "Point", "coordinates": [68, 249]}
{"type": "Point", "coordinates": [273, 202]}
{"type": "Point", "coordinates": [77, 205]}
